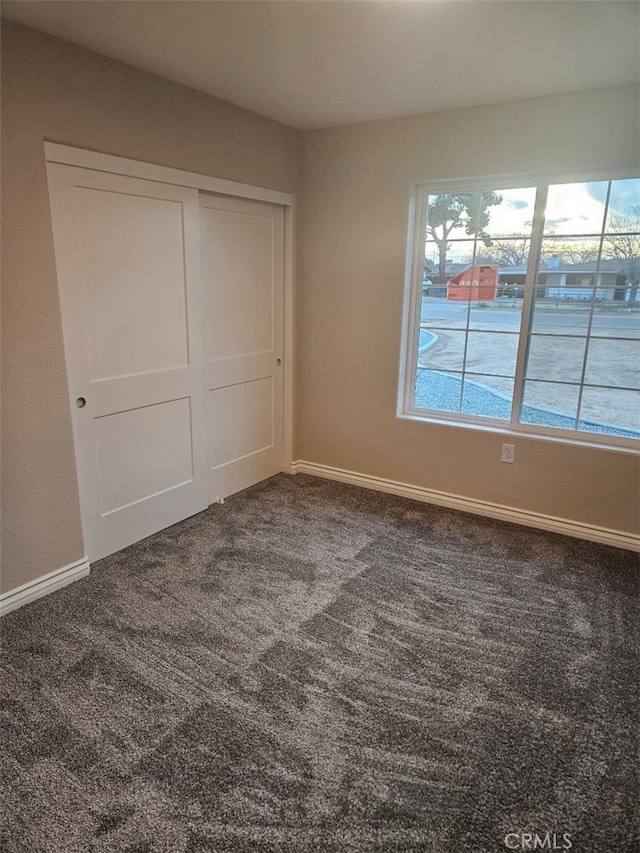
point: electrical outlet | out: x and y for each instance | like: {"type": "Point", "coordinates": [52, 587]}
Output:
{"type": "Point", "coordinates": [508, 453]}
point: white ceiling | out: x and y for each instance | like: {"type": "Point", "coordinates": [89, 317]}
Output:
{"type": "Point", "coordinates": [315, 63]}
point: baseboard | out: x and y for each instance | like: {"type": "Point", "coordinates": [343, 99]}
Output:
{"type": "Point", "coordinates": [603, 535]}
{"type": "Point", "coordinates": [43, 586]}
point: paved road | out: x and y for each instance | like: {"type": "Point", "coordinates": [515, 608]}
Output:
{"type": "Point", "coordinates": [563, 319]}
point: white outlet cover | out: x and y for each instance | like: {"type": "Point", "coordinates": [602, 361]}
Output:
{"type": "Point", "coordinates": [508, 453]}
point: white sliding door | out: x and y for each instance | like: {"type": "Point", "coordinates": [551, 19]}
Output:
{"type": "Point", "coordinates": [128, 260]}
{"type": "Point", "coordinates": [243, 278]}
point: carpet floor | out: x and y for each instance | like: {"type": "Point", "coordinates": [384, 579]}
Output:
{"type": "Point", "coordinates": [316, 667]}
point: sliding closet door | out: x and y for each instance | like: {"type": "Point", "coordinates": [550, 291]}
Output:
{"type": "Point", "coordinates": [243, 279]}
{"type": "Point", "coordinates": [128, 260]}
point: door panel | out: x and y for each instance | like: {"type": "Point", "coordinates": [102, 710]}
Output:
{"type": "Point", "coordinates": [128, 260]}
{"type": "Point", "coordinates": [136, 441]}
{"type": "Point", "coordinates": [250, 404]}
{"type": "Point", "coordinates": [133, 282]}
{"type": "Point", "coordinates": [243, 279]}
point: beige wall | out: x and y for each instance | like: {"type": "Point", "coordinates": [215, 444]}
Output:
{"type": "Point", "coordinates": [53, 90]}
{"type": "Point", "coordinates": [349, 295]}
{"type": "Point", "coordinates": [350, 288]}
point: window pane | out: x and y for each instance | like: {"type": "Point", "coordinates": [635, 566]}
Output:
{"type": "Point", "coordinates": [550, 404]}
{"type": "Point", "coordinates": [575, 208]}
{"type": "Point", "coordinates": [440, 307]}
{"type": "Point", "coordinates": [610, 411]}
{"type": "Point", "coordinates": [613, 319]}
{"type": "Point", "coordinates": [560, 318]}
{"type": "Point", "coordinates": [502, 315]}
{"type": "Point", "coordinates": [512, 258]}
{"type": "Point", "coordinates": [431, 261]}
{"type": "Point", "coordinates": [455, 252]}
{"type": "Point", "coordinates": [624, 206]}
{"type": "Point", "coordinates": [456, 216]}
{"type": "Point", "coordinates": [476, 285]}
{"type": "Point", "coordinates": [489, 352]}
{"type": "Point", "coordinates": [513, 215]}
{"type": "Point", "coordinates": [620, 267]}
{"type": "Point", "coordinates": [437, 391]}
{"type": "Point", "coordinates": [576, 257]}
{"type": "Point", "coordinates": [450, 215]}
{"type": "Point", "coordinates": [444, 350]}
{"type": "Point", "coordinates": [442, 262]}
{"type": "Point", "coordinates": [613, 363]}
{"type": "Point", "coordinates": [488, 396]}
{"type": "Point", "coordinates": [566, 286]}
{"type": "Point", "coordinates": [439, 313]}
{"type": "Point", "coordinates": [555, 357]}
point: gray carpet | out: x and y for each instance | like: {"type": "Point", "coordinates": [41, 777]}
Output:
{"type": "Point", "coordinates": [315, 667]}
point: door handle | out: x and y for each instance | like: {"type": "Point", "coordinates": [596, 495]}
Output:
{"type": "Point", "coordinates": [81, 402]}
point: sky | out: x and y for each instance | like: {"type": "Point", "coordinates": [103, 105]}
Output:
{"type": "Point", "coordinates": [575, 208]}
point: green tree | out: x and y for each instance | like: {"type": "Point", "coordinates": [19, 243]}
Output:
{"type": "Point", "coordinates": [466, 211]}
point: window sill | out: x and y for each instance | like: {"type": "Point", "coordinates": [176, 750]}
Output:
{"type": "Point", "coordinates": [626, 446]}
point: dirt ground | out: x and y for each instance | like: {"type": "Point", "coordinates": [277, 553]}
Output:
{"type": "Point", "coordinates": [557, 352]}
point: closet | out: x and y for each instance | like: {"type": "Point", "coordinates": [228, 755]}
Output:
{"type": "Point", "coordinates": [172, 303]}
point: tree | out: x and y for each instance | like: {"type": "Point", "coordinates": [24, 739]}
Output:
{"type": "Point", "coordinates": [506, 253]}
{"type": "Point", "coordinates": [571, 253]}
{"type": "Point", "coordinates": [624, 246]}
{"type": "Point", "coordinates": [469, 211]}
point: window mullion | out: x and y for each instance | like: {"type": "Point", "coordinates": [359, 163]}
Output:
{"type": "Point", "coordinates": [466, 332]}
{"type": "Point", "coordinates": [535, 250]}
{"type": "Point", "coordinates": [415, 314]}
{"type": "Point", "coordinates": [592, 307]}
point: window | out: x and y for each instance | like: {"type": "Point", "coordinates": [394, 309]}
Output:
{"type": "Point", "coordinates": [523, 311]}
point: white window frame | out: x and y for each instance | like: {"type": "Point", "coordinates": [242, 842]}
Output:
{"type": "Point", "coordinates": [411, 314]}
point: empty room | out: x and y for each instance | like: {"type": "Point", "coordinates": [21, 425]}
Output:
{"type": "Point", "coordinates": [320, 426]}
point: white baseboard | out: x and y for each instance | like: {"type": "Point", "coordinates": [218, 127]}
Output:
{"type": "Point", "coordinates": [43, 586]}
{"type": "Point", "coordinates": [593, 533]}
